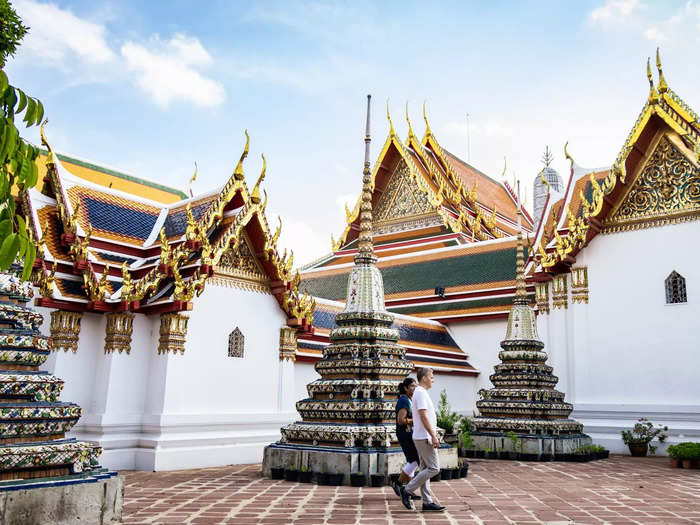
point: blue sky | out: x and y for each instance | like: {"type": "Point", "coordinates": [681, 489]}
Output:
{"type": "Point", "coordinates": [151, 87]}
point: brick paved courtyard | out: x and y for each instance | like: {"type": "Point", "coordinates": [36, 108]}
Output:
{"type": "Point", "coordinates": [617, 490]}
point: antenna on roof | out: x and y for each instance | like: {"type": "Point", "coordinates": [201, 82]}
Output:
{"type": "Point", "coordinates": [547, 158]}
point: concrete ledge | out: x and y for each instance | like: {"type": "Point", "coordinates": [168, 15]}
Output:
{"type": "Point", "coordinates": [98, 502]}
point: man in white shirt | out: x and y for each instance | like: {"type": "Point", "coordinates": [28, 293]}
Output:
{"type": "Point", "coordinates": [426, 439]}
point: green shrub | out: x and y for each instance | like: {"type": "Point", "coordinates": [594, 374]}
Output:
{"type": "Point", "coordinates": [446, 419]}
{"type": "Point", "coordinates": [687, 450]}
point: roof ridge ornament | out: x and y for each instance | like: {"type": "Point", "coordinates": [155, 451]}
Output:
{"type": "Point", "coordinates": [392, 133]}
{"type": "Point", "coordinates": [568, 156]}
{"type": "Point", "coordinates": [410, 129]}
{"type": "Point", "coordinates": [653, 95]}
{"type": "Point", "coordinates": [193, 178]}
{"type": "Point", "coordinates": [50, 159]}
{"type": "Point", "coordinates": [238, 172]}
{"type": "Point", "coordinates": [663, 86]}
{"type": "Point", "coordinates": [255, 196]}
{"type": "Point", "coordinates": [428, 131]}
{"type": "Point", "coordinates": [365, 252]}
{"type": "Point", "coordinates": [504, 176]}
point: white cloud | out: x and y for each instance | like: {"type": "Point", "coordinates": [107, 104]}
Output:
{"type": "Point", "coordinates": [683, 25]}
{"type": "Point", "coordinates": [308, 243]}
{"type": "Point", "coordinates": [614, 10]}
{"type": "Point", "coordinates": [166, 71]}
{"type": "Point", "coordinates": [57, 35]}
{"type": "Point", "coordinates": [654, 35]}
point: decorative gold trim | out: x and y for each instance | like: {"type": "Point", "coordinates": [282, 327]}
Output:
{"type": "Point", "coordinates": [229, 281]}
{"type": "Point", "coordinates": [173, 333]}
{"type": "Point", "coordinates": [65, 330]}
{"type": "Point", "coordinates": [560, 292]}
{"type": "Point", "coordinates": [120, 326]}
{"type": "Point", "coordinates": [288, 344]}
{"type": "Point", "coordinates": [542, 297]}
{"type": "Point", "coordinates": [579, 285]}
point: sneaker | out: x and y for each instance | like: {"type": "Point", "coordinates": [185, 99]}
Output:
{"type": "Point", "coordinates": [406, 498]}
{"type": "Point", "coordinates": [397, 488]}
{"type": "Point", "coordinates": [413, 496]}
{"type": "Point", "coordinates": [432, 507]}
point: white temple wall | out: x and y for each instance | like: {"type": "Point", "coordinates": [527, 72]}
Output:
{"type": "Point", "coordinates": [630, 354]}
{"type": "Point", "coordinates": [480, 340]}
{"type": "Point", "coordinates": [304, 373]}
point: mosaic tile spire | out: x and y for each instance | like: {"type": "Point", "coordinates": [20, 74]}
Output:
{"type": "Point", "coordinates": [523, 399]}
{"type": "Point", "coordinates": [352, 405]}
{"type": "Point", "coordinates": [33, 421]}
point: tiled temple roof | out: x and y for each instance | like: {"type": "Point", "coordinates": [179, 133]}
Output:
{"type": "Point", "coordinates": [478, 278]}
{"type": "Point", "coordinates": [427, 343]}
{"type": "Point", "coordinates": [166, 251]}
{"type": "Point", "coordinates": [592, 195]}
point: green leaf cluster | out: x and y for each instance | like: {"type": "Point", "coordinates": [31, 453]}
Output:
{"type": "Point", "coordinates": [687, 450]}
{"type": "Point", "coordinates": [11, 31]}
{"type": "Point", "coordinates": [446, 419]}
{"type": "Point", "coordinates": [17, 168]}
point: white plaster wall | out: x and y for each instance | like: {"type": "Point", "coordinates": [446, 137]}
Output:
{"type": "Point", "coordinates": [304, 373]}
{"type": "Point", "coordinates": [628, 354]}
{"type": "Point", "coordinates": [481, 342]}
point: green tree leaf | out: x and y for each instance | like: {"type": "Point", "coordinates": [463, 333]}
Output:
{"type": "Point", "coordinates": [5, 228]}
{"type": "Point", "coordinates": [39, 111]}
{"type": "Point", "coordinates": [8, 250]}
{"type": "Point", "coordinates": [22, 101]}
{"type": "Point", "coordinates": [3, 81]}
{"type": "Point", "coordinates": [29, 258]}
{"type": "Point", "coordinates": [33, 175]}
{"type": "Point", "coordinates": [29, 114]}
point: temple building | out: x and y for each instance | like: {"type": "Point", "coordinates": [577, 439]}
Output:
{"type": "Point", "coordinates": [131, 276]}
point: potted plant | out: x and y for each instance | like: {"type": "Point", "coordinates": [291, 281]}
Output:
{"type": "Point", "coordinates": [358, 479]}
{"type": "Point", "coordinates": [446, 473]}
{"type": "Point", "coordinates": [378, 480]}
{"type": "Point", "coordinates": [336, 478]}
{"type": "Point", "coordinates": [456, 472]}
{"type": "Point", "coordinates": [291, 473]}
{"type": "Point", "coordinates": [465, 436]}
{"type": "Point", "coordinates": [446, 419]}
{"type": "Point", "coordinates": [322, 478]}
{"type": "Point", "coordinates": [674, 454]}
{"type": "Point", "coordinates": [277, 473]}
{"type": "Point", "coordinates": [305, 475]}
{"type": "Point", "coordinates": [490, 454]}
{"type": "Point", "coordinates": [600, 451]}
{"type": "Point", "coordinates": [480, 452]}
{"type": "Point", "coordinates": [515, 443]}
{"type": "Point", "coordinates": [688, 454]}
{"type": "Point", "coordinates": [464, 469]}
{"type": "Point", "coordinates": [642, 434]}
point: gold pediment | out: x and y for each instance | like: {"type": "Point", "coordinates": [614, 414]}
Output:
{"type": "Point", "coordinates": [402, 198]}
{"type": "Point", "coordinates": [666, 190]}
{"type": "Point", "coordinates": [239, 266]}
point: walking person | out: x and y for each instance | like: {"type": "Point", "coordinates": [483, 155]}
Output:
{"type": "Point", "coordinates": [426, 441]}
{"type": "Point", "coordinates": [404, 422]}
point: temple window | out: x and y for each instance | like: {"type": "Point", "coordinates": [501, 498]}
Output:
{"type": "Point", "coordinates": [675, 288]}
{"type": "Point", "coordinates": [235, 343]}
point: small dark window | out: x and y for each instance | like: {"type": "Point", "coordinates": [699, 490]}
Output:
{"type": "Point", "coordinates": [675, 288]}
{"type": "Point", "coordinates": [440, 291]}
{"type": "Point", "coordinates": [235, 343]}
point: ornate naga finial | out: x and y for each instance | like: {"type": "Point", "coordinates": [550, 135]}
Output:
{"type": "Point", "coordinates": [102, 284]}
{"type": "Point", "coordinates": [290, 262]}
{"type": "Point", "coordinates": [50, 159]}
{"type": "Point", "coordinates": [276, 235]}
{"type": "Point", "coordinates": [428, 131]}
{"type": "Point", "coordinates": [73, 221]}
{"type": "Point", "coordinates": [566, 154]}
{"type": "Point", "coordinates": [410, 129]}
{"type": "Point", "coordinates": [653, 95]}
{"type": "Point", "coordinates": [206, 255]}
{"type": "Point", "coordinates": [505, 167]}
{"type": "Point", "coordinates": [41, 243]}
{"type": "Point", "coordinates": [46, 281]}
{"type": "Point", "coordinates": [127, 283]}
{"type": "Point", "coordinates": [180, 292]}
{"type": "Point", "coordinates": [164, 247]}
{"type": "Point", "coordinates": [255, 195]}
{"type": "Point", "coordinates": [392, 133]}
{"type": "Point", "coordinates": [545, 181]}
{"type": "Point", "coordinates": [365, 251]}
{"type": "Point", "coordinates": [191, 230]}
{"type": "Point", "coordinates": [663, 87]}
{"type": "Point", "coordinates": [238, 172]}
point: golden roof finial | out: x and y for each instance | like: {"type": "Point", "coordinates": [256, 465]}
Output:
{"type": "Point", "coordinates": [410, 129]}
{"type": "Point", "coordinates": [50, 159]}
{"type": "Point", "coordinates": [392, 133]}
{"type": "Point", "coordinates": [276, 235]}
{"type": "Point", "coordinates": [127, 283]}
{"type": "Point", "coordinates": [653, 95]}
{"type": "Point", "coordinates": [520, 289]}
{"type": "Point", "coordinates": [545, 182]}
{"type": "Point", "coordinates": [566, 154]}
{"type": "Point", "coordinates": [238, 172]}
{"type": "Point", "coordinates": [428, 131]}
{"type": "Point", "coordinates": [191, 230]}
{"type": "Point", "coordinates": [193, 178]}
{"type": "Point", "coordinates": [663, 87]}
{"type": "Point", "coordinates": [505, 167]}
{"type": "Point", "coordinates": [255, 196]}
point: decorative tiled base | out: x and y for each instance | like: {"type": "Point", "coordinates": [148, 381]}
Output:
{"type": "Point", "coordinates": [347, 461]}
{"type": "Point", "coordinates": [531, 444]}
